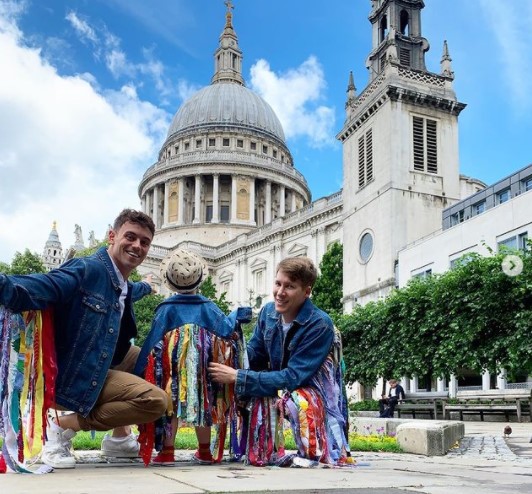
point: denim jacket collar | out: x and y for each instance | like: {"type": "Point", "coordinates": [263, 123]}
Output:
{"type": "Point", "coordinates": [303, 316]}
{"type": "Point", "coordinates": [103, 255]}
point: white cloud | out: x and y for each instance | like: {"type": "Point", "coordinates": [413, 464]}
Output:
{"type": "Point", "coordinates": [510, 24]}
{"type": "Point", "coordinates": [67, 152]}
{"type": "Point", "coordinates": [295, 97]}
{"type": "Point", "coordinates": [86, 32]}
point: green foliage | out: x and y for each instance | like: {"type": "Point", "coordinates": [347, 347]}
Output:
{"type": "Point", "coordinates": [327, 292]}
{"type": "Point", "coordinates": [27, 263]}
{"type": "Point", "coordinates": [91, 250]}
{"type": "Point", "coordinates": [5, 268]}
{"type": "Point", "coordinates": [208, 289]}
{"type": "Point", "coordinates": [471, 317]}
{"type": "Point", "coordinates": [144, 312]}
{"type": "Point", "coordinates": [365, 405]}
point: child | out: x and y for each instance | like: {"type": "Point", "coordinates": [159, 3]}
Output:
{"type": "Point", "coordinates": [188, 332]}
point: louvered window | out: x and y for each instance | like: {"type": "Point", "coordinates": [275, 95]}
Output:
{"type": "Point", "coordinates": [404, 57]}
{"type": "Point", "coordinates": [425, 144]}
{"type": "Point", "coordinates": [365, 158]}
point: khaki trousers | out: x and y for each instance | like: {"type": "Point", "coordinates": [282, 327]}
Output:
{"type": "Point", "coordinates": [125, 399]}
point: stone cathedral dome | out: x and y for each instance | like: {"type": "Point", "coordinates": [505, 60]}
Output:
{"type": "Point", "coordinates": [227, 104]}
{"type": "Point", "coordinates": [224, 168]}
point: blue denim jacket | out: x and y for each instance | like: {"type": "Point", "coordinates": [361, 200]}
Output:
{"type": "Point", "coordinates": [279, 363]}
{"type": "Point", "coordinates": [85, 295]}
{"type": "Point", "coordinates": [179, 310]}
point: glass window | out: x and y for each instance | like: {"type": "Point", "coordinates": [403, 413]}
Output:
{"type": "Point", "coordinates": [212, 142]}
{"type": "Point", "coordinates": [528, 184]}
{"type": "Point", "coordinates": [187, 146]}
{"type": "Point", "coordinates": [224, 213]}
{"type": "Point", "coordinates": [225, 142]}
{"type": "Point", "coordinates": [240, 143]}
{"type": "Point", "coordinates": [265, 149]}
{"type": "Point", "coordinates": [366, 247]}
{"type": "Point", "coordinates": [208, 213]}
{"type": "Point", "coordinates": [503, 196]}
{"type": "Point", "coordinates": [480, 207]}
{"type": "Point", "coordinates": [253, 146]}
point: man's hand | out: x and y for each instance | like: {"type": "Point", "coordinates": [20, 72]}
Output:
{"type": "Point", "coordinates": [222, 374]}
{"type": "Point", "coordinates": [149, 279]}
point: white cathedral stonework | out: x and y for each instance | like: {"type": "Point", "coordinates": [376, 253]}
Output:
{"type": "Point", "coordinates": [225, 186]}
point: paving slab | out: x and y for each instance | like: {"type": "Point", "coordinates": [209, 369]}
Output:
{"type": "Point", "coordinates": [480, 467]}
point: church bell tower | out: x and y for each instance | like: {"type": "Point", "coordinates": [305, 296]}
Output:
{"type": "Point", "coordinates": [400, 151]}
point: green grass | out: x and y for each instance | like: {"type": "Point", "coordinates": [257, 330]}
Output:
{"type": "Point", "coordinates": [186, 439]}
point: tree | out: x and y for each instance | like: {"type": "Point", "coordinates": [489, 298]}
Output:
{"type": "Point", "coordinates": [208, 289]}
{"type": "Point", "coordinates": [5, 268]}
{"type": "Point", "coordinates": [472, 317]}
{"type": "Point", "coordinates": [27, 263]}
{"type": "Point", "coordinates": [327, 293]}
{"type": "Point", "coordinates": [144, 312]}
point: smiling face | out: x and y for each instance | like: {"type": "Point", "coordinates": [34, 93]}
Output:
{"type": "Point", "coordinates": [289, 295]}
{"type": "Point", "coordinates": [129, 246]}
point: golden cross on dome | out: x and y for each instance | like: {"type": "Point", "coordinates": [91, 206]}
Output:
{"type": "Point", "coordinates": [229, 5]}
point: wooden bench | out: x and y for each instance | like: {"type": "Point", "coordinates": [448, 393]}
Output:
{"type": "Point", "coordinates": [429, 402]}
{"type": "Point", "coordinates": [491, 402]}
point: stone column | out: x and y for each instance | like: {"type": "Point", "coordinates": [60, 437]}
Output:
{"type": "Point", "coordinates": [453, 386]}
{"type": "Point", "coordinates": [197, 199]}
{"type": "Point", "coordinates": [293, 204]}
{"type": "Point", "coordinates": [215, 198]}
{"type": "Point", "coordinates": [181, 201]}
{"type": "Point", "coordinates": [405, 382]}
{"type": "Point", "coordinates": [165, 203]}
{"type": "Point", "coordinates": [486, 381]}
{"type": "Point", "coordinates": [414, 385]}
{"type": "Point", "coordinates": [268, 207]}
{"type": "Point", "coordinates": [502, 379]}
{"type": "Point", "coordinates": [155, 217]}
{"type": "Point", "coordinates": [233, 199]}
{"type": "Point", "coordinates": [282, 205]}
{"type": "Point", "coordinates": [252, 201]}
{"type": "Point", "coordinates": [440, 384]}
{"type": "Point", "coordinates": [143, 204]}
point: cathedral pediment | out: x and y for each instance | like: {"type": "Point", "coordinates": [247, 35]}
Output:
{"type": "Point", "coordinates": [297, 250]}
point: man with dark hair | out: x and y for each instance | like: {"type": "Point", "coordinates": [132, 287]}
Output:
{"type": "Point", "coordinates": [295, 349]}
{"type": "Point", "coordinates": [94, 323]}
{"type": "Point", "coordinates": [388, 403]}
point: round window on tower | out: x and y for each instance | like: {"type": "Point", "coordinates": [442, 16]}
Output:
{"type": "Point", "coordinates": [366, 247]}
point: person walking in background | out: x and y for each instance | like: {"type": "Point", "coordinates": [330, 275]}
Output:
{"type": "Point", "coordinates": [188, 332]}
{"type": "Point", "coordinates": [94, 323]}
{"type": "Point", "coordinates": [388, 403]}
{"type": "Point", "coordinates": [296, 350]}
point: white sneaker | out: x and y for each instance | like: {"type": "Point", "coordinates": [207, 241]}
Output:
{"type": "Point", "coordinates": [120, 447]}
{"type": "Point", "coordinates": [57, 450]}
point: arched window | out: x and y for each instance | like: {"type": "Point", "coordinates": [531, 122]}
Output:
{"type": "Point", "coordinates": [404, 23]}
{"type": "Point", "coordinates": [384, 28]}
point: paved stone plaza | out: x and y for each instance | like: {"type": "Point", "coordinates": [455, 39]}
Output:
{"type": "Point", "coordinates": [484, 461]}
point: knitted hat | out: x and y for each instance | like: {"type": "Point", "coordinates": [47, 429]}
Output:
{"type": "Point", "coordinates": [182, 271]}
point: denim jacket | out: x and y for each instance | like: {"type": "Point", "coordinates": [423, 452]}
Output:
{"type": "Point", "coordinates": [179, 310]}
{"type": "Point", "coordinates": [285, 363]}
{"type": "Point", "coordinates": [84, 294]}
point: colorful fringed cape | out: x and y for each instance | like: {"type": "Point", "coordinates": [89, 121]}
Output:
{"type": "Point", "coordinates": [318, 417]}
{"type": "Point", "coordinates": [27, 384]}
{"type": "Point", "coordinates": [178, 364]}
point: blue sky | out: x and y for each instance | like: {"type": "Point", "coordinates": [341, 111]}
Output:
{"type": "Point", "coordinates": [88, 89]}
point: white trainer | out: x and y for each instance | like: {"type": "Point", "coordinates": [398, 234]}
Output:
{"type": "Point", "coordinates": [120, 447]}
{"type": "Point", "coordinates": [57, 450]}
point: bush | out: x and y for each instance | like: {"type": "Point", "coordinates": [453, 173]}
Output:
{"type": "Point", "coordinates": [364, 405]}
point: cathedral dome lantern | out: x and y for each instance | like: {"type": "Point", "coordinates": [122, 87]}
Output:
{"type": "Point", "coordinates": [224, 164]}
